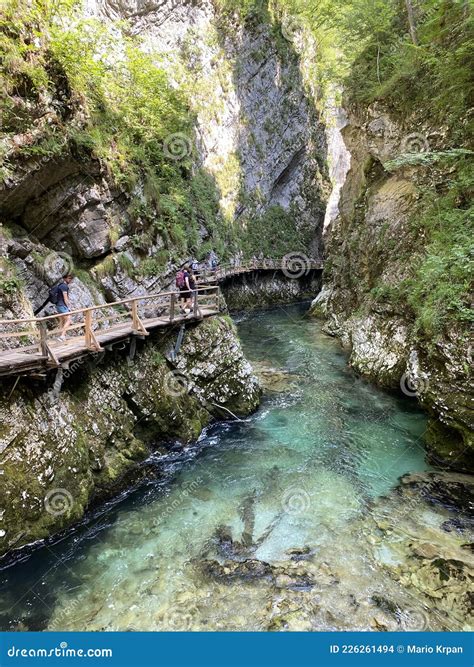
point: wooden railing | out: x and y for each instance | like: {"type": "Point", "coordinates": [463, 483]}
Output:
{"type": "Point", "coordinates": [132, 315]}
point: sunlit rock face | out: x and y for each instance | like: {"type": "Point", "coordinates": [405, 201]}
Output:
{"type": "Point", "coordinates": [339, 159]}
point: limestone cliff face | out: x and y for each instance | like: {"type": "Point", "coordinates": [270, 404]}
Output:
{"type": "Point", "coordinates": [62, 450]}
{"type": "Point", "coordinates": [374, 242]}
{"type": "Point", "coordinates": [267, 289]}
{"type": "Point", "coordinates": [258, 132]}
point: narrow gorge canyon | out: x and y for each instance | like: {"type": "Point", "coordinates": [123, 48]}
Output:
{"type": "Point", "coordinates": [139, 136]}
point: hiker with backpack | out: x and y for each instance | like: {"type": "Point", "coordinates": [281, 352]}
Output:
{"type": "Point", "coordinates": [186, 283]}
{"type": "Point", "coordinates": [212, 260]}
{"type": "Point", "coordinates": [59, 296]}
{"type": "Point", "coordinates": [181, 283]}
{"type": "Point", "coordinates": [191, 284]}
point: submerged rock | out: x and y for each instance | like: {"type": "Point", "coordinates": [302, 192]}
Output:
{"type": "Point", "coordinates": [450, 490]}
{"type": "Point", "coordinates": [276, 379]}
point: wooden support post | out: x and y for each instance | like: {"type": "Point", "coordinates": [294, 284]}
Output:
{"type": "Point", "coordinates": [172, 306]}
{"type": "Point", "coordinates": [135, 318]}
{"type": "Point", "coordinates": [96, 346]}
{"type": "Point", "coordinates": [88, 329]}
{"type": "Point", "coordinates": [43, 340]}
{"type": "Point", "coordinates": [51, 354]}
{"type": "Point", "coordinates": [132, 350]}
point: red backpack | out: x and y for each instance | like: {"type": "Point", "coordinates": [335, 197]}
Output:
{"type": "Point", "coordinates": [180, 280]}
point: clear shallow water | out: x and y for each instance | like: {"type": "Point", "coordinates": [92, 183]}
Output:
{"type": "Point", "coordinates": [299, 490]}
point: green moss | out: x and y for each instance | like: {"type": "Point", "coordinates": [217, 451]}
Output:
{"type": "Point", "coordinates": [438, 256]}
{"type": "Point", "coordinates": [441, 287]}
{"type": "Point", "coordinates": [105, 268]}
{"type": "Point", "coordinates": [125, 263]}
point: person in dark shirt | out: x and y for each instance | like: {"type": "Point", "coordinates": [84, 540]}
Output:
{"type": "Point", "coordinates": [190, 290]}
{"type": "Point", "coordinates": [63, 305]}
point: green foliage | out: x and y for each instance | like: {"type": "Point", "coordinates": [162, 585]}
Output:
{"type": "Point", "coordinates": [125, 263]}
{"type": "Point", "coordinates": [427, 158]}
{"type": "Point", "coordinates": [436, 73]}
{"type": "Point", "coordinates": [154, 266]}
{"type": "Point", "coordinates": [384, 292]}
{"type": "Point", "coordinates": [441, 287]}
{"type": "Point", "coordinates": [245, 9]}
{"type": "Point", "coordinates": [367, 47]}
{"type": "Point", "coordinates": [105, 268]}
{"type": "Point", "coordinates": [9, 286]}
{"type": "Point", "coordinates": [274, 233]}
{"type": "Point", "coordinates": [10, 283]}
{"type": "Point", "coordinates": [133, 109]}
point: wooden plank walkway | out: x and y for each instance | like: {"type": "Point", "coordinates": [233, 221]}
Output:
{"type": "Point", "coordinates": [293, 266]}
{"type": "Point", "coordinates": [31, 346]}
{"type": "Point", "coordinates": [37, 348]}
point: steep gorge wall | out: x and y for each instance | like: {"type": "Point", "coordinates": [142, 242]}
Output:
{"type": "Point", "coordinates": [269, 288]}
{"type": "Point", "coordinates": [374, 247]}
{"type": "Point", "coordinates": [257, 178]}
{"type": "Point", "coordinates": [258, 132]}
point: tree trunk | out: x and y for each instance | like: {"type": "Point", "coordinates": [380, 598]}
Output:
{"type": "Point", "coordinates": [411, 21]}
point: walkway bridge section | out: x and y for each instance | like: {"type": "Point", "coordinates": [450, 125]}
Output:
{"type": "Point", "coordinates": [32, 347]}
{"type": "Point", "coordinates": [293, 266]}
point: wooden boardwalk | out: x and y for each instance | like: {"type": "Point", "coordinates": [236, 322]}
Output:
{"type": "Point", "coordinates": [31, 346]}
{"type": "Point", "coordinates": [293, 266]}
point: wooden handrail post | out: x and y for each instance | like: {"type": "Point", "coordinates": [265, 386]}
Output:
{"type": "Point", "coordinates": [172, 306]}
{"type": "Point", "coordinates": [88, 328]}
{"type": "Point", "coordinates": [138, 327]}
{"type": "Point", "coordinates": [195, 305]}
{"type": "Point", "coordinates": [135, 318]}
{"type": "Point", "coordinates": [43, 339]}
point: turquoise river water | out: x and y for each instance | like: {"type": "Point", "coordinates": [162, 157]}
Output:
{"type": "Point", "coordinates": [291, 519]}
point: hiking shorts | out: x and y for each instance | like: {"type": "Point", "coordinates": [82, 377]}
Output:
{"type": "Point", "coordinates": [62, 310]}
